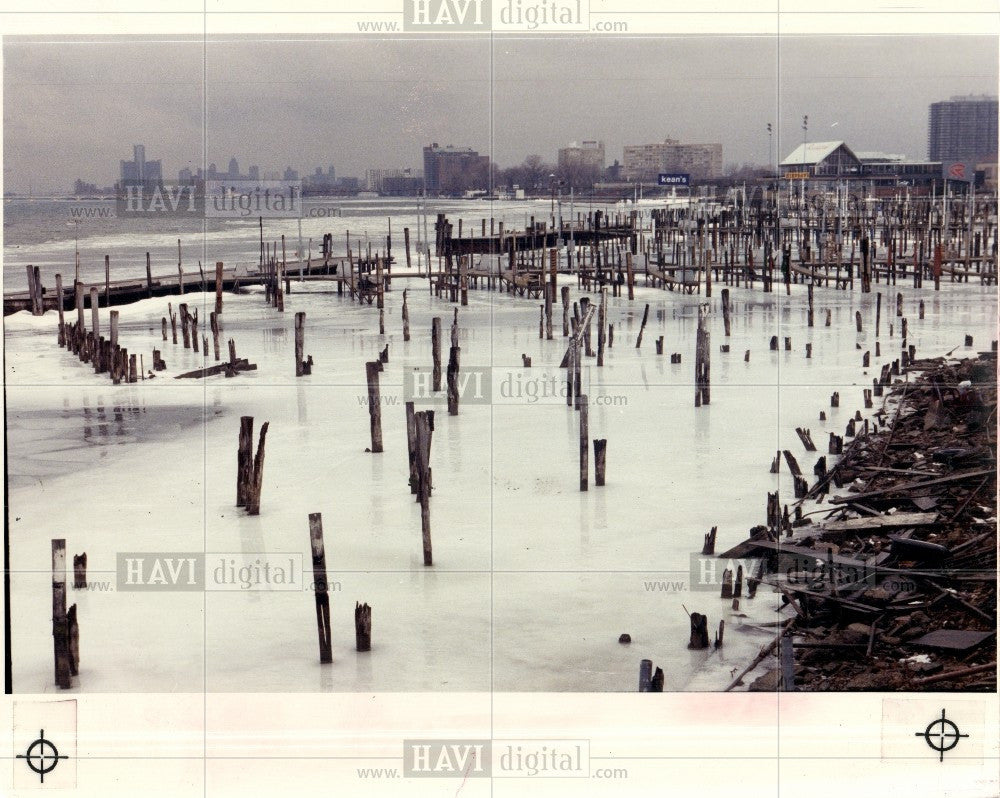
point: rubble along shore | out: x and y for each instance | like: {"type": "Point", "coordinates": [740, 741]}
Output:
{"type": "Point", "coordinates": [895, 587]}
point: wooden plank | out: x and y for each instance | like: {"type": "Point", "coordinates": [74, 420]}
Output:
{"type": "Point", "coordinates": [880, 522]}
{"type": "Point", "coordinates": [855, 497]}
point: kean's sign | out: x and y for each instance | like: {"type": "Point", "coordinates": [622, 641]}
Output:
{"type": "Point", "coordinates": [673, 179]}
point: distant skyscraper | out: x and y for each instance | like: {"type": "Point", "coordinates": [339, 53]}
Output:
{"type": "Point", "coordinates": [963, 129]}
{"type": "Point", "coordinates": [290, 174]}
{"type": "Point", "coordinates": [139, 170]}
{"type": "Point", "coordinates": [234, 169]}
{"type": "Point", "coordinates": [254, 173]}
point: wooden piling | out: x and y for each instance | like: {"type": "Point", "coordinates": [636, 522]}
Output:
{"type": "Point", "coordinates": [424, 422]}
{"type": "Point", "coordinates": [320, 587]}
{"type": "Point", "coordinates": [436, 353]}
{"type": "Point", "coordinates": [702, 364]}
{"type": "Point", "coordinates": [600, 453]}
{"type": "Point", "coordinates": [60, 622]}
{"type": "Point", "coordinates": [372, 369]}
{"type": "Point", "coordinates": [257, 475]}
{"type": "Point", "coordinates": [584, 443]}
{"type": "Point", "coordinates": [453, 380]}
{"type": "Point", "coordinates": [363, 625]}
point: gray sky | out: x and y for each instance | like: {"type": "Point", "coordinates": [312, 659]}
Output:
{"type": "Point", "coordinates": [74, 108]}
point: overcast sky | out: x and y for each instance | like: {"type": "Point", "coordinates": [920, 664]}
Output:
{"type": "Point", "coordinates": [74, 108]}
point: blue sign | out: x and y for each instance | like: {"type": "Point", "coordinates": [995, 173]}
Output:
{"type": "Point", "coordinates": [678, 179]}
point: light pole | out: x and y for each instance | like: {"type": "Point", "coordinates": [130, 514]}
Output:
{"type": "Point", "coordinates": [770, 149]}
{"type": "Point", "coordinates": [805, 168]}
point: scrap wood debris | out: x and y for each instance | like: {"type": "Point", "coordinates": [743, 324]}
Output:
{"type": "Point", "coordinates": [893, 580]}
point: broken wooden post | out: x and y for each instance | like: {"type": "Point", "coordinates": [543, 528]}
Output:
{"type": "Point", "coordinates": [218, 287]}
{"type": "Point", "coordinates": [61, 335]}
{"type": "Point", "coordinates": [257, 474]}
{"type": "Point", "coordinates": [320, 587]}
{"type": "Point", "coordinates": [185, 332]}
{"type": "Point", "coordinates": [411, 448]}
{"type": "Point", "coordinates": [436, 353]}
{"type": "Point", "coordinates": [645, 675]}
{"type": "Point", "coordinates": [173, 322]}
{"type": "Point", "coordinates": [302, 367]}
{"type": "Point", "coordinates": [722, 623]}
{"type": "Point", "coordinates": [453, 380]}
{"type": "Point", "coordinates": [774, 343]}
{"type": "Point", "coordinates": [828, 317]}
{"type": "Point", "coordinates": [95, 320]}
{"type": "Point", "coordinates": [645, 317]}
{"type": "Point", "coordinates": [406, 310]}
{"type": "Point", "coordinates": [726, 309]}
{"type": "Point", "coordinates": [709, 546]}
{"type": "Point", "coordinates": [243, 460]}
{"type": "Point", "coordinates": [727, 583]}
{"type": "Point", "coordinates": [699, 631]}
{"type": "Point", "coordinates": [60, 622]}
{"type": "Point", "coordinates": [79, 571]}
{"type": "Point", "coordinates": [600, 452]}
{"type": "Point", "coordinates": [213, 321]}
{"type": "Point", "coordinates": [564, 292]}
{"type": "Point", "coordinates": [424, 422]}
{"type": "Point", "coordinates": [362, 626]}
{"type": "Point", "coordinates": [372, 369]}
{"type": "Point", "coordinates": [702, 360]}
{"type": "Point", "coordinates": [857, 319]}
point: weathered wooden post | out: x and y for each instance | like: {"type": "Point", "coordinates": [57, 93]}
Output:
{"type": "Point", "coordinates": [699, 631]}
{"type": "Point", "coordinates": [406, 309]}
{"type": "Point", "coordinates": [453, 380]}
{"type": "Point", "coordinates": [857, 320]}
{"type": "Point", "coordinates": [218, 286]}
{"type": "Point", "coordinates": [645, 676]}
{"type": "Point", "coordinates": [213, 321]}
{"type": "Point", "coordinates": [436, 353]}
{"type": "Point", "coordinates": [80, 571]}
{"type": "Point", "coordinates": [424, 421]}
{"type": "Point", "coordinates": [642, 327]}
{"type": "Point", "coordinates": [602, 320]}
{"type": "Point", "coordinates": [257, 476]}
{"type": "Point", "coordinates": [320, 587]}
{"type": "Point", "coordinates": [564, 293]}
{"type": "Point", "coordinates": [185, 332]}
{"type": "Point", "coordinates": [600, 451]}
{"type": "Point", "coordinates": [61, 337]}
{"type": "Point", "coordinates": [363, 620]}
{"type": "Point", "coordinates": [244, 465]}
{"type": "Point", "coordinates": [702, 378]}
{"type": "Point", "coordinates": [95, 318]}
{"type": "Point", "coordinates": [302, 366]}
{"type": "Point", "coordinates": [60, 622]}
{"type": "Point", "coordinates": [709, 546]}
{"type": "Point", "coordinates": [810, 313]}
{"type": "Point", "coordinates": [584, 444]}
{"type": "Point", "coordinates": [726, 309]}
{"type": "Point", "coordinates": [78, 291]}
{"type": "Point", "coordinates": [372, 369]}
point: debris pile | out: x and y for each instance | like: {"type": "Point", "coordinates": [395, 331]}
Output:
{"type": "Point", "coordinates": [893, 579]}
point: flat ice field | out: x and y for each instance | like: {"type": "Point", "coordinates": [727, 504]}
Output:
{"type": "Point", "coordinates": [533, 580]}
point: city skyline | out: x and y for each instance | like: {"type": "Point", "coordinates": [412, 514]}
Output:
{"type": "Point", "coordinates": [375, 105]}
